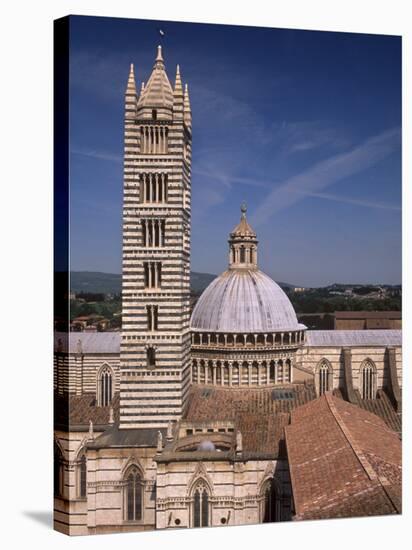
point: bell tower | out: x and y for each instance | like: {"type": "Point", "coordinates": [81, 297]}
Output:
{"type": "Point", "coordinates": [155, 345]}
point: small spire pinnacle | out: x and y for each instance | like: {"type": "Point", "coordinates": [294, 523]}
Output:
{"type": "Point", "coordinates": [91, 432]}
{"type": "Point", "coordinates": [243, 209]}
{"type": "Point", "coordinates": [159, 53]}
{"type": "Point", "coordinates": [187, 113]}
{"type": "Point", "coordinates": [131, 84]}
{"type": "Point", "coordinates": [178, 82]}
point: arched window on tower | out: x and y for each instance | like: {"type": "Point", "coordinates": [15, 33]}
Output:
{"type": "Point", "coordinates": [324, 377]}
{"type": "Point", "coordinates": [368, 376]}
{"type": "Point", "coordinates": [105, 387]}
{"type": "Point", "coordinates": [133, 496]}
{"type": "Point", "coordinates": [201, 505]}
{"type": "Point", "coordinates": [151, 357]}
{"type": "Point", "coordinates": [270, 502]}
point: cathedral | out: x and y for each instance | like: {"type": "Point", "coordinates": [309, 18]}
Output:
{"type": "Point", "coordinates": [235, 414]}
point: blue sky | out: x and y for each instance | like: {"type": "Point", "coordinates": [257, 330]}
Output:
{"type": "Point", "coordinates": [304, 126]}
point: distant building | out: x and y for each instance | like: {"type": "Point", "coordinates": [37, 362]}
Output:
{"type": "Point", "coordinates": [365, 320]}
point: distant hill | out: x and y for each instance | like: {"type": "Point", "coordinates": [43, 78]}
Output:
{"type": "Point", "coordinates": [95, 281]}
{"type": "Point", "coordinates": [199, 281]}
{"type": "Point", "coordinates": [111, 283]}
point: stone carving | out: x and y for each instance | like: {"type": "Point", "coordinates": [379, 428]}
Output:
{"type": "Point", "coordinates": [159, 441]}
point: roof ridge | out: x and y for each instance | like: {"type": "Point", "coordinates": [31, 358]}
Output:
{"type": "Point", "coordinates": [354, 446]}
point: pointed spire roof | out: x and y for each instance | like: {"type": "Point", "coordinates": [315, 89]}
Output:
{"type": "Point", "coordinates": [178, 83]}
{"type": "Point", "coordinates": [187, 112]}
{"type": "Point", "coordinates": [158, 92]}
{"type": "Point", "coordinates": [131, 83]}
{"type": "Point", "coordinates": [243, 228]}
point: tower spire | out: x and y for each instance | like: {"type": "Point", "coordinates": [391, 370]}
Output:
{"type": "Point", "coordinates": [178, 96]}
{"type": "Point", "coordinates": [131, 83]}
{"type": "Point", "coordinates": [187, 112]}
{"type": "Point", "coordinates": [131, 96]}
{"type": "Point", "coordinates": [158, 92]}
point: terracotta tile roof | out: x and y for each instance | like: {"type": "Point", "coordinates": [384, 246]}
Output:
{"type": "Point", "coordinates": [72, 411]}
{"type": "Point", "coordinates": [344, 461]}
{"type": "Point", "coordinates": [381, 406]}
{"type": "Point", "coordinates": [259, 414]}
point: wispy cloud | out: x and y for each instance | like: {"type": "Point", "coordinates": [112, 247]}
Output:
{"type": "Point", "coordinates": [349, 200]}
{"type": "Point", "coordinates": [327, 172]}
{"type": "Point", "coordinates": [98, 155]}
{"type": "Point", "coordinates": [227, 179]}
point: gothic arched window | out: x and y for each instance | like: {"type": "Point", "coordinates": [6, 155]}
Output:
{"type": "Point", "coordinates": [270, 502]}
{"type": "Point", "coordinates": [324, 377]}
{"type": "Point", "coordinates": [133, 495]}
{"type": "Point", "coordinates": [82, 476]}
{"type": "Point", "coordinates": [58, 478]}
{"type": "Point", "coordinates": [105, 387]}
{"type": "Point", "coordinates": [368, 373]}
{"type": "Point", "coordinates": [201, 505]}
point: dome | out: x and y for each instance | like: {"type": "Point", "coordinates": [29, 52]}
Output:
{"type": "Point", "coordinates": [244, 300]}
{"type": "Point", "coordinates": [206, 445]}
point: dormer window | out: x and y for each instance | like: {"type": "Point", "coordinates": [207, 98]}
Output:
{"type": "Point", "coordinates": [154, 114]}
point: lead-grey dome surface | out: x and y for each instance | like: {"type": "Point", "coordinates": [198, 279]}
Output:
{"type": "Point", "coordinates": [244, 301]}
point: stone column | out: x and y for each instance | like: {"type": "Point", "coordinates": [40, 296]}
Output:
{"type": "Point", "coordinates": [230, 373]}
{"type": "Point", "coordinates": [267, 372]}
{"type": "Point", "coordinates": [214, 372]}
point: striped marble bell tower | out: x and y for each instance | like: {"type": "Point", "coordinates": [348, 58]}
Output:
{"type": "Point", "coordinates": [155, 346]}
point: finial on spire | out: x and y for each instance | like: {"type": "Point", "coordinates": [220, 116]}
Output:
{"type": "Point", "coordinates": [243, 209]}
{"type": "Point", "coordinates": [159, 53]}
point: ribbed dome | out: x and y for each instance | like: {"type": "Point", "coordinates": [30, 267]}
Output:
{"type": "Point", "coordinates": [244, 301]}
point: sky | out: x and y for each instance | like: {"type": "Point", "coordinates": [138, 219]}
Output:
{"type": "Point", "coordinates": [303, 126]}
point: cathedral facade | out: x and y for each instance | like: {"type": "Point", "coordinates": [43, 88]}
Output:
{"type": "Point", "coordinates": [216, 418]}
